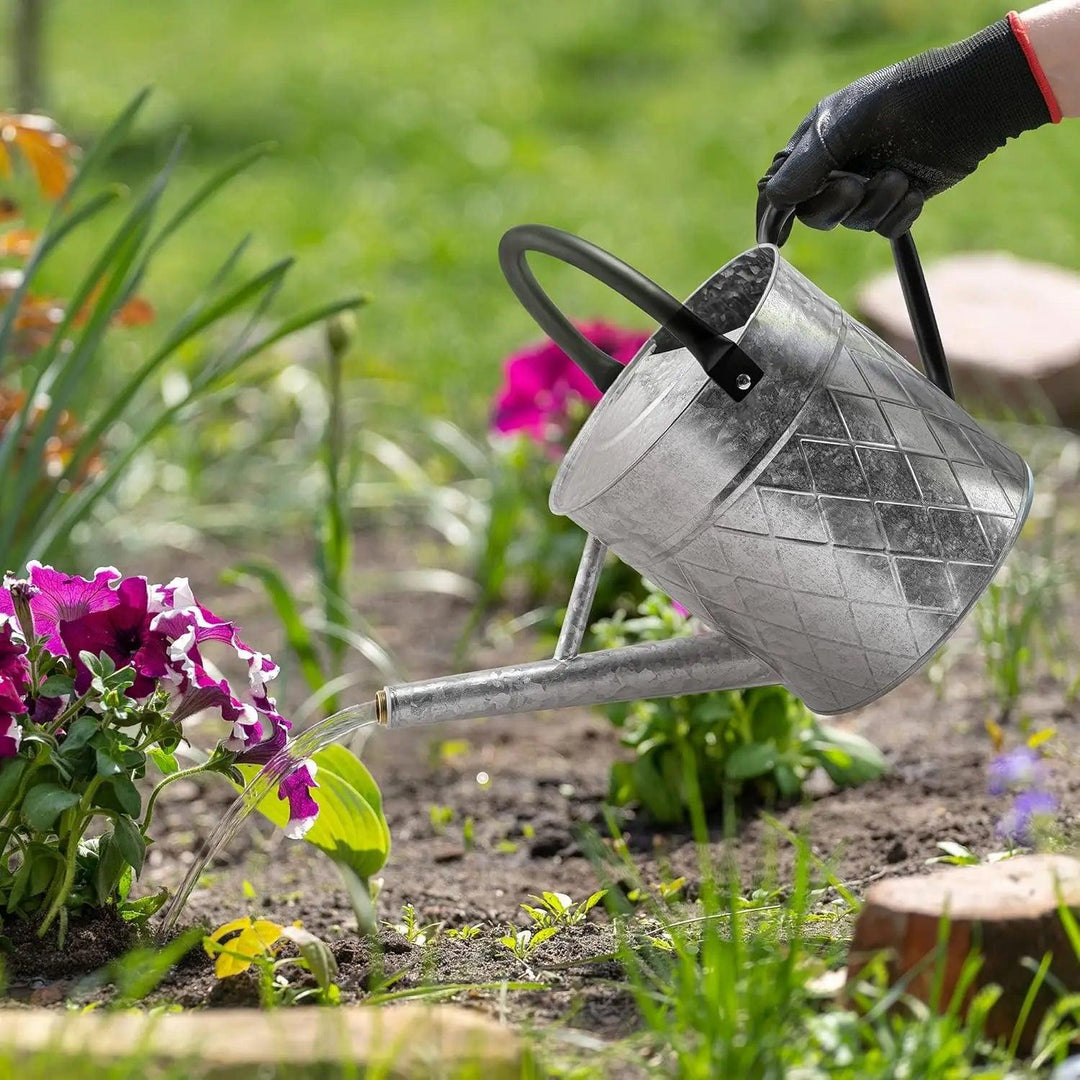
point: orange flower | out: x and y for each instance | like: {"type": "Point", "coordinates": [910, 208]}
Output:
{"type": "Point", "coordinates": [61, 445]}
{"type": "Point", "coordinates": [47, 152]}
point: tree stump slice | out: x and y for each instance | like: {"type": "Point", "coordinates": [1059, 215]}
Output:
{"type": "Point", "coordinates": [1010, 327]}
{"type": "Point", "coordinates": [1007, 911]}
{"type": "Point", "coordinates": [405, 1042]}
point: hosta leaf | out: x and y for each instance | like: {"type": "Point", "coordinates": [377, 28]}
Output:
{"type": "Point", "coordinates": [350, 828]}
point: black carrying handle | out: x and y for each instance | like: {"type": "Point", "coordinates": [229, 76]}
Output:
{"type": "Point", "coordinates": [723, 361]}
{"type": "Point", "coordinates": [912, 283]}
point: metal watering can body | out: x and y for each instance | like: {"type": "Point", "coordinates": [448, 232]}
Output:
{"type": "Point", "coordinates": [828, 511]}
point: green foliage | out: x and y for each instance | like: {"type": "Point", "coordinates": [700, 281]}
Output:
{"type": "Point", "coordinates": [351, 828]}
{"type": "Point", "coordinates": [761, 742]}
{"type": "Point", "coordinates": [215, 336]}
{"type": "Point", "coordinates": [558, 909]}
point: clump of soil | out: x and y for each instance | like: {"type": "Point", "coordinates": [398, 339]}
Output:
{"type": "Point", "coordinates": [92, 940]}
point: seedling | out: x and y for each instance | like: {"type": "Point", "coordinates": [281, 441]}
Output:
{"type": "Point", "coordinates": [558, 910]}
{"type": "Point", "coordinates": [440, 817]}
{"type": "Point", "coordinates": [464, 933]}
{"type": "Point", "coordinates": [523, 943]}
{"type": "Point", "coordinates": [411, 929]}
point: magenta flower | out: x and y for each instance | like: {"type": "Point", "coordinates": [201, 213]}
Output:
{"type": "Point", "coordinates": [121, 631]}
{"type": "Point", "coordinates": [13, 662]}
{"type": "Point", "coordinates": [63, 597]}
{"type": "Point", "coordinates": [540, 383]}
{"type": "Point", "coordinates": [12, 706]}
{"type": "Point", "coordinates": [303, 809]}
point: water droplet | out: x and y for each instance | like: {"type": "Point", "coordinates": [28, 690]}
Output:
{"type": "Point", "coordinates": [483, 779]}
{"type": "Point", "coordinates": [743, 381]}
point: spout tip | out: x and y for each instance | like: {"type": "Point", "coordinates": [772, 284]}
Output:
{"type": "Point", "coordinates": [382, 708]}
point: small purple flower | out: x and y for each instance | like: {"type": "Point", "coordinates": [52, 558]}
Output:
{"type": "Point", "coordinates": [1016, 770]}
{"type": "Point", "coordinates": [63, 597]}
{"type": "Point", "coordinates": [1017, 826]}
{"type": "Point", "coordinates": [303, 809]}
{"type": "Point", "coordinates": [541, 381]}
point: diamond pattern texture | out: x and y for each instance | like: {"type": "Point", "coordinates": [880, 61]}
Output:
{"type": "Point", "coordinates": [863, 539]}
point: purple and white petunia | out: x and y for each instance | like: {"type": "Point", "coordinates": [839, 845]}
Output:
{"type": "Point", "coordinates": [303, 809]}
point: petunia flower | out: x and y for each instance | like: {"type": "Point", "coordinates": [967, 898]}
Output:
{"type": "Point", "coordinates": [12, 706]}
{"type": "Point", "coordinates": [63, 597]}
{"type": "Point", "coordinates": [540, 383]}
{"type": "Point", "coordinates": [121, 631]}
{"type": "Point", "coordinates": [303, 809]}
{"type": "Point", "coordinates": [13, 662]}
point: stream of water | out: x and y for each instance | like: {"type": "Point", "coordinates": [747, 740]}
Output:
{"type": "Point", "coordinates": [310, 741]}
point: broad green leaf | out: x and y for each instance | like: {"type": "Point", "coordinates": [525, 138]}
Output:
{"type": "Point", "coordinates": [44, 803]}
{"type": "Point", "coordinates": [56, 686]}
{"type": "Point", "coordinates": [110, 866]}
{"type": "Point", "coordinates": [80, 733]}
{"type": "Point", "coordinates": [119, 793]}
{"type": "Point", "coordinates": [167, 763]}
{"type": "Point", "coordinates": [750, 760]}
{"type": "Point", "coordinates": [350, 827]}
{"type": "Point", "coordinates": [11, 772]}
{"type": "Point", "coordinates": [849, 759]}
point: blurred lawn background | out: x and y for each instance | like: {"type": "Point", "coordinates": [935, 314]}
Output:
{"type": "Point", "coordinates": [411, 134]}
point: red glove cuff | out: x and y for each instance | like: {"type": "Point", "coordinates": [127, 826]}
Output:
{"type": "Point", "coordinates": [1016, 24]}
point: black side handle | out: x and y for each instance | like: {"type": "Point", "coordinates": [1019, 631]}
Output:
{"type": "Point", "coordinates": [723, 361]}
{"type": "Point", "coordinates": [913, 285]}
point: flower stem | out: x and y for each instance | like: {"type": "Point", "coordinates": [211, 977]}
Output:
{"type": "Point", "coordinates": [183, 774]}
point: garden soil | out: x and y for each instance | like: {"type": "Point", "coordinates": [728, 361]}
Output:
{"type": "Point", "coordinates": [533, 789]}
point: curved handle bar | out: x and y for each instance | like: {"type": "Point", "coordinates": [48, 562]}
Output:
{"type": "Point", "coordinates": [721, 359]}
{"type": "Point", "coordinates": [912, 283]}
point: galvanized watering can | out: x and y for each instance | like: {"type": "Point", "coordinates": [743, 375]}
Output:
{"type": "Point", "coordinates": [828, 511]}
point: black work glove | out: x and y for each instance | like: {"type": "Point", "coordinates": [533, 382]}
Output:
{"type": "Point", "coordinates": [909, 131]}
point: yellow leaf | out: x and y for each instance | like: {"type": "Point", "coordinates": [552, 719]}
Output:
{"type": "Point", "coordinates": [247, 942]}
{"type": "Point", "coordinates": [1040, 737]}
{"type": "Point", "coordinates": [997, 736]}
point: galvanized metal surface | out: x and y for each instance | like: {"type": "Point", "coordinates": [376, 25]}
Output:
{"type": "Point", "coordinates": [576, 620]}
{"type": "Point", "coordinates": [834, 527]}
{"type": "Point", "coordinates": [685, 665]}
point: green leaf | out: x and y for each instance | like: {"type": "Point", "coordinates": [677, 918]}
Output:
{"type": "Point", "coordinates": [106, 766]}
{"type": "Point", "coordinates": [140, 910]}
{"type": "Point", "coordinates": [119, 793]}
{"type": "Point", "coordinates": [750, 760]}
{"type": "Point", "coordinates": [166, 762]}
{"type": "Point", "coordinates": [110, 866]}
{"type": "Point", "coordinates": [138, 972]}
{"type": "Point", "coordinates": [350, 828]}
{"type": "Point", "coordinates": [11, 772]}
{"type": "Point", "coordinates": [771, 719]}
{"type": "Point", "coordinates": [320, 960]}
{"type": "Point", "coordinates": [849, 759]}
{"type": "Point", "coordinates": [542, 935]}
{"type": "Point", "coordinates": [56, 686]}
{"type": "Point", "coordinates": [79, 734]}
{"type": "Point", "coordinates": [130, 841]}
{"type": "Point", "coordinates": [44, 803]}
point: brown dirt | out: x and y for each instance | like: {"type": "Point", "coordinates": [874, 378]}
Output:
{"type": "Point", "coordinates": [546, 781]}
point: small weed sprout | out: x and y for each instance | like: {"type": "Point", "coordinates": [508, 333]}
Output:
{"type": "Point", "coordinates": [523, 943]}
{"type": "Point", "coordinates": [411, 929]}
{"type": "Point", "coordinates": [464, 933]}
{"type": "Point", "coordinates": [440, 817]}
{"type": "Point", "coordinates": [558, 910]}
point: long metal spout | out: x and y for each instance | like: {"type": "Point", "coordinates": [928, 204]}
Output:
{"type": "Point", "coordinates": [651, 669]}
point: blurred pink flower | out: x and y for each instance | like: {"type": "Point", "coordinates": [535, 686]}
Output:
{"type": "Point", "coordinates": [303, 809]}
{"type": "Point", "coordinates": [541, 381]}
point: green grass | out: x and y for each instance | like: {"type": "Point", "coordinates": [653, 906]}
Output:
{"type": "Point", "coordinates": [410, 135]}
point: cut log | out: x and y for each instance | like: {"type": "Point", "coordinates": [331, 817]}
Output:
{"type": "Point", "coordinates": [405, 1041]}
{"type": "Point", "coordinates": [1007, 912]}
{"type": "Point", "coordinates": [1010, 327]}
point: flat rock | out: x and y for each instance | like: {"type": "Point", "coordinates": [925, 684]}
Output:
{"type": "Point", "coordinates": [405, 1041]}
{"type": "Point", "coordinates": [1011, 330]}
{"type": "Point", "coordinates": [1008, 911]}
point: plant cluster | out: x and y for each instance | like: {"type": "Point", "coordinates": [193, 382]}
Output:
{"type": "Point", "coordinates": [761, 742]}
{"type": "Point", "coordinates": [98, 678]}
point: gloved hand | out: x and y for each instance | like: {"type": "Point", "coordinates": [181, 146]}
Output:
{"type": "Point", "coordinates": [910, 131]}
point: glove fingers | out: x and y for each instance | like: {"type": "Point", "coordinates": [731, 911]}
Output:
{"type": "Point", "coordinates": [833, 204]}
{"type": "Point", "coordinates": [898, 221]}
{"type": "Point", "coordinates": [801, 169]}
{"type": "Point", "coordinates": [883, 194]}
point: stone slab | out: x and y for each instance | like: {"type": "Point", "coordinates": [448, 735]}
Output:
{"type": "Point", "coordinates": [1010, 326]}
{"type": "Point", "coordinates": [405, 1042]}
